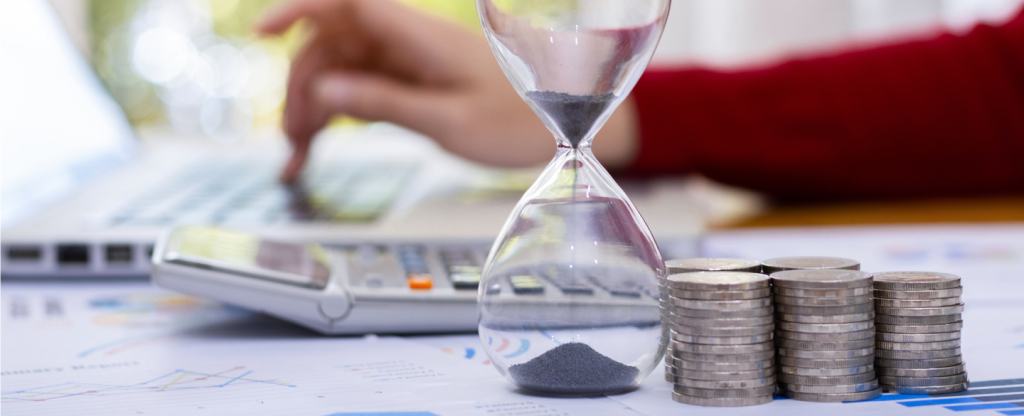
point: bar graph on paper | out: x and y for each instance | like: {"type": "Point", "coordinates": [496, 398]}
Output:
{"type": "Point", "coordinates": [178, 380]}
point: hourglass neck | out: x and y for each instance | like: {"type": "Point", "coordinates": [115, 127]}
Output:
{"type": "Point", "coordinates": [564, 144]}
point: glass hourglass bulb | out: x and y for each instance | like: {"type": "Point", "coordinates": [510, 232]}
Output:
{"type": "Point", "coordinates": [570, 293]}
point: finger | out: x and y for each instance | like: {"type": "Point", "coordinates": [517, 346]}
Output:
{"type": "Point", "coordinates": [300, 153]}
{"type": "Point", "coordinates": [379, 98]}
{"type": "Point", "coordinates": [301, 118]}
{"type": "Point", "coordinates": [298, 111]}
{"type": "Point", "coordinates": [284, 15]}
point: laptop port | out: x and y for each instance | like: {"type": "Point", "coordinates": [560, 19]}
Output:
{"type": "Point", "coordinates": [72, 255]}
{"type": "Point", "coordinates": [25, 253]}
{"type": "Point", "coordinates": [119, 253]}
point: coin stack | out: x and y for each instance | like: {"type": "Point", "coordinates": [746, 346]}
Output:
{"type": "Point", "coordinates": [808, 263]}
{"type": "Point", "coordinates": [721, 339]}
{"type": "Point", "coordinates": [694, 265]}
{"type": "Point", "coordinates": [918, 320]}
{"type": "Point", "coordinates": [825, 334]}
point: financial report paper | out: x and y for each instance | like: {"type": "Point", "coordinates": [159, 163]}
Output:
{"type": "Point", "coordinates": [131, 349]}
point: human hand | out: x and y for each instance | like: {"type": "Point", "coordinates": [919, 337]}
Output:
{"type": "Point", "coordinates": [379, 60]}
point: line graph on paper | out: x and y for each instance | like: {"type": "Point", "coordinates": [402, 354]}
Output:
{"type": "Point", "coordinates": [176, 380]}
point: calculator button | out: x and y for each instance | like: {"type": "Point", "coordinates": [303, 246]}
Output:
{"type": "Point", "coordinates": [464, 281]}
{"type": "Point", "coordinates": [465, 269]}
{"type": "Point", "coordinates": [524, 284]}
{"type": "Point", "coordinates": [421, 281]}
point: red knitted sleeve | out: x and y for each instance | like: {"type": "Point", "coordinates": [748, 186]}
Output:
{"type": "Point", "coordinates": [938, 117]}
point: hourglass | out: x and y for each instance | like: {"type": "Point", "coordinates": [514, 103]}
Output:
{"type": "Point", "coordinates": [570, 292]}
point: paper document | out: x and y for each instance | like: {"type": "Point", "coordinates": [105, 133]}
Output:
{"type": "Point", "coordinates": [131, 349]}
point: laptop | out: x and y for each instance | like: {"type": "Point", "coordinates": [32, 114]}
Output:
{"type": "Point", "coordinates": [82, 196]}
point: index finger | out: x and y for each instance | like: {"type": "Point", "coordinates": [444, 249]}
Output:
{"type": "Point", "coordinates": [283, 16]}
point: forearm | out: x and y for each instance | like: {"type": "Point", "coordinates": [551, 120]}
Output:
{"type": "Point", "coordinates": [929, 118]}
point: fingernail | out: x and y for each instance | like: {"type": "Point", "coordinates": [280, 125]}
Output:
{"type": "Point", "coordinates": [334, 90]}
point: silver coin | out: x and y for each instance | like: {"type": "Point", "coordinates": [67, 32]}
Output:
{"type": "Point", "coordinates": [696, 339]}
{"type": "Point", "coordinates": [823, 302]}
{"type": "Point", "coordinates": [919, 364]}
{"type": "Point", "coordinates": [822, 293]}
{"type": "Point", "coordinates": [728, 368]}
{"type": "Point", "coordinates": [915, 281]}
{"type": "Point", "coordinates": [719, 294]}
{"type": "Point", "coordinates": [749, 392]}
{"type": "Point", "coordinates": [918, 346]}
{"type": "Point", "coordinates": [833, 398]}
{"type": "Point", "coordinates": [723, 358]}
{"type": "Point", "coordinates": [824, 310]}
{"type": "Point", "coordinates": [918, 294]}
{"type": "Point", "coordinates": [923, 372]}
{"type": "Point", "coordinates": [924, 381]}
{"type": "Point", "coordinates": [942, 310]}
{"type": "Point", "coordinates": [722, 401]}
{"type": "Point", "coordinates": [722, 305]}
{"type": "Point", "coordinates": [722, 349]}
{"type": "Point", "coordinates": [824, 346]}
{"type": "Point", "coordinates": [932, 390]}
{"type": "Point", "coordinates": [826, 319]}
{"type": "Point", "coordinates": [826, 355]}
{"type": "Point", "coordinates": [916, 320]}
{"type": "Point", "coordinates": [712, 264]}
{"type": "Point", "coordinates": [826, 381]}
{"type": "Point", "coordinates": [917, 355]}
{"type": "Point", "coordinates": [826, 337]}
{"type": "Point", "coordinates": [830, 363]}
{"type": "Point", "coordinates": [725, 384]}
{"type": "Point", "coordinates": [669, 377]}
{"type": "Point", "coordinates": [825, 328]}
{"type": "Point", "coordinates": [723, 375]}
{"type": "Point", "coordinates": [727, 323]}
{"type": "Point", "coordinates": [821, 279]}
{"type": "Point", "coordinates": [718, 281]}
{"type": "Point", "coordinates": [740, 331]}
{"type": "Point", "coordinates": [916, 303]}
{"type": "Point", "coordinates": [825, 372]}
{"type": "Point", "coordinates": [705, 313]}
{"type": "Point", "coordinates": [842, 388]}
{"type": "Point", "coordinates": [941, 336]}
{"type": "Point", "coordinates": [808, 263]}
{"type": "Point", "coordinates": [919, 329]}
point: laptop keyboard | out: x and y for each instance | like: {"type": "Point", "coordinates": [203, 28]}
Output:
{"type": "Point", "coordinates": [250, 194]}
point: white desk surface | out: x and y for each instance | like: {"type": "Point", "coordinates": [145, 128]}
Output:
{"type": "Point", "coordinates": [130, 349]}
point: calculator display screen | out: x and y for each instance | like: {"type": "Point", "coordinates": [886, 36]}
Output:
{"type": "Point", "coordinates": [248, 255]}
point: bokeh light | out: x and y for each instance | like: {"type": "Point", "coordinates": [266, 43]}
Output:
{"type": "Point", "coordinates": [196, 67]}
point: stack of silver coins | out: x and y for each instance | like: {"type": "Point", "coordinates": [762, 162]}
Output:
{"type": "Point", "coordinates": [825, 334]}
{"type": "Point", "coordinates": [693, 265]}
{"type": "Point", "coordinates": [722, 352]}
{"type": "Point", "coordinates": [918, 321]}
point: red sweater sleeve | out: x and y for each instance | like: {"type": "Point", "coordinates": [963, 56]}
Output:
{"type": "Point", "coordinates": [938, 117]}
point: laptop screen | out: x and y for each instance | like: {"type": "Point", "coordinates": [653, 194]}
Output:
{"type": "Point", "coordinates": [58, 125]}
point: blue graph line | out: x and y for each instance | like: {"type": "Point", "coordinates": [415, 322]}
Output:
{"type": "Point", "coordinates": [1012, 412]}
{"type": "Point", "coordinates": [985, 406]}
{"type": "Point", "coordinates": [940, 402]}
{"type": "Point", "coordinates": [236, 378]}
{"type": "Point", "coordinates": [120, 341]}
{"type": "Point", "coordinates": [77, 388]}
{"type": "Point", "coordinates": [523, 346]}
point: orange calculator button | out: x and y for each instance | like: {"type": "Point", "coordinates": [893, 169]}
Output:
{"type": "Point", "coordinates": [421, 281]}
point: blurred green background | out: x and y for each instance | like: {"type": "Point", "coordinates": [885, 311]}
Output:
{"type": "Point", "coordinates": [196, 66]}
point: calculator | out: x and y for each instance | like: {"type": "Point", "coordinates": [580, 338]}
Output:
{"type": "Point", "coordinates": [357, 288]}
{"type": "Point", "coordinates": [379, 287]}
